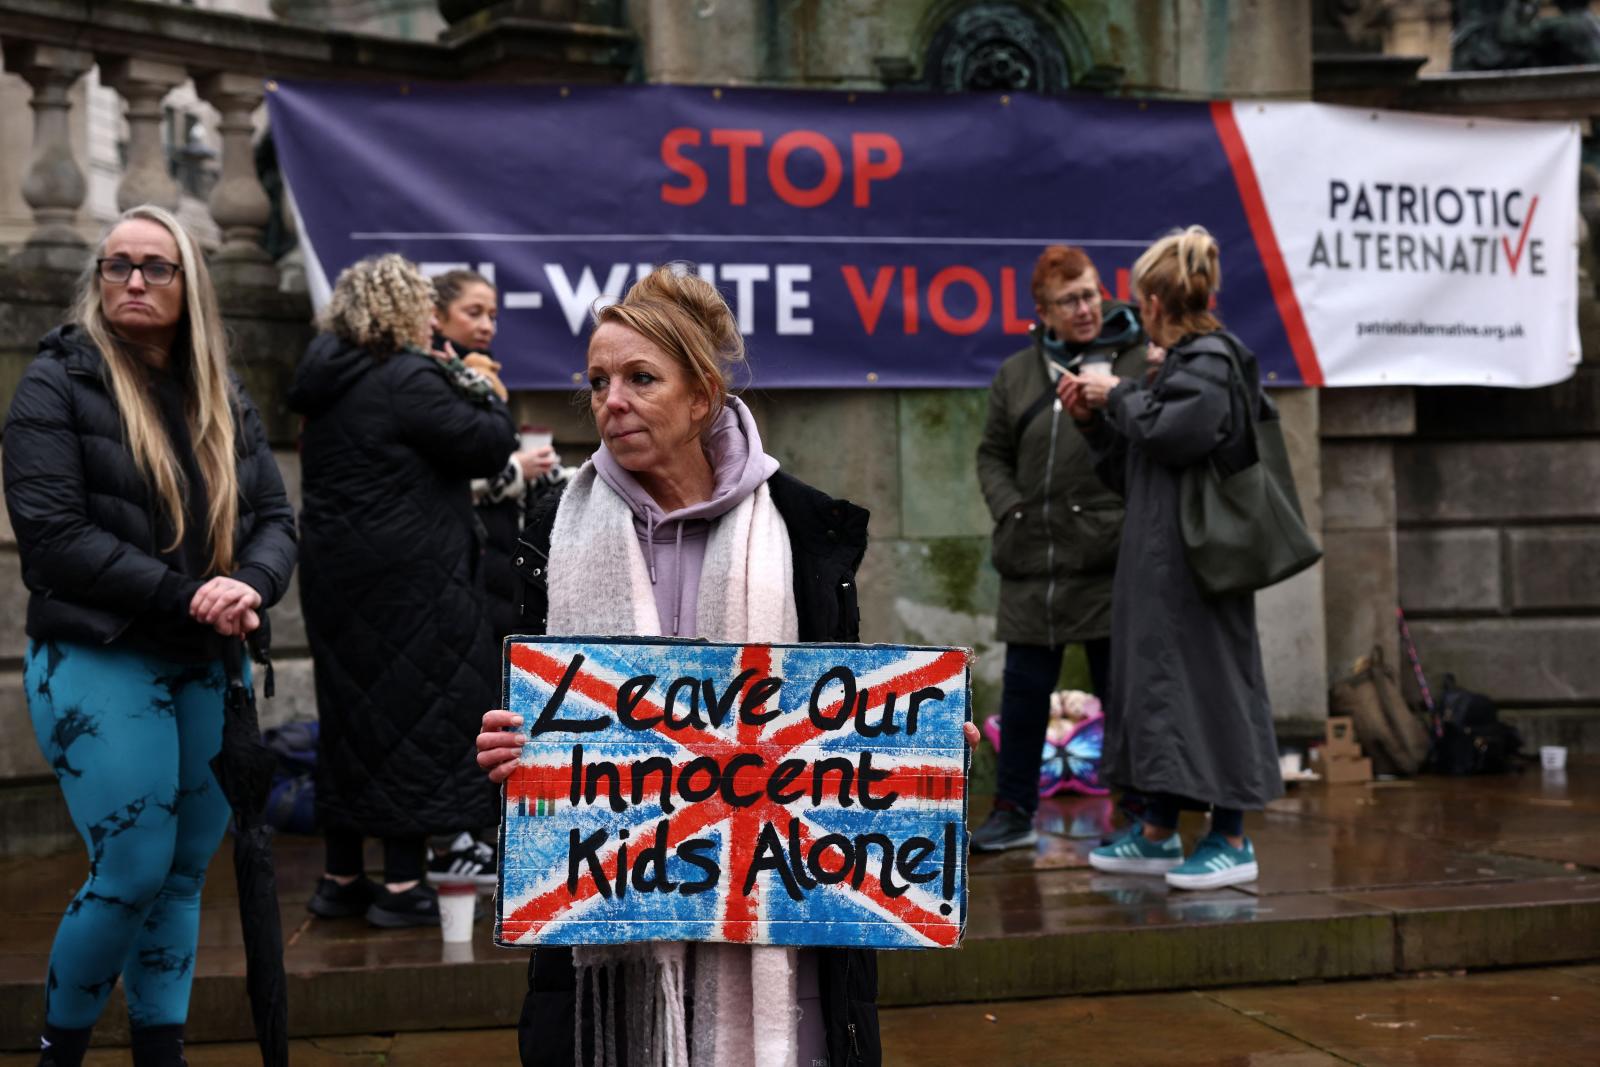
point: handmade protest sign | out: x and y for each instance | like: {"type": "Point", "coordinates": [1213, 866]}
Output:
{"type": "Point", "coordinates": [761, 794]}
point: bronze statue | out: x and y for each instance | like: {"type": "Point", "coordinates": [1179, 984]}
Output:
{"type": "Point", "coordinates": [1510, 35]}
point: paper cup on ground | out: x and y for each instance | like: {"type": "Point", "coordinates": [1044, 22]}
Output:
{"type": "Point", "coordinates": [457, 902]}
{"type": "Point", "coordinates": [1289, 764]}
{"type": "Point", "coordinates": [1553, 757]}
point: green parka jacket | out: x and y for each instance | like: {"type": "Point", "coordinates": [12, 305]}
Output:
{"type": "Point", "coordinates": [1056, 525]}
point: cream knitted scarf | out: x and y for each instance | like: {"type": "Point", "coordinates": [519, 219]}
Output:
{"type": "Point", "coordinates": [746, 1008]}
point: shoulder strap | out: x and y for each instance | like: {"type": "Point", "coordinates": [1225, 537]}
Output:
{"type": "Point", "coordinates": [1222, 344]}
{"type": "Point", "coordinates": [1218, 344]}
{"type": "Point", "coordinates": [1042, 401]}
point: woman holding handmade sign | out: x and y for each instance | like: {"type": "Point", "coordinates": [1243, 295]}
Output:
{"type": "Point", "coordinates": [680, 525]}
{"type": "Point", "coordinates": [1189, 725]}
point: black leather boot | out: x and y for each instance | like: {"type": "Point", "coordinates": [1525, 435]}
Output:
{"type": "Point", "coordinates": [62, 1048]}
{"type": "Point", "coordinates": [158, 1046]}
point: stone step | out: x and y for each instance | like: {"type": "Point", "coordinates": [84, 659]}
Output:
{"type": "Point", "coordinates": [347, 982]}
{"type": "Point", "coordinates": [1357, 881]}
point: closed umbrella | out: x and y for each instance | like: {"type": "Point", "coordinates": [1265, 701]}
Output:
{"type": "Point", "coordinates": [244, 768]}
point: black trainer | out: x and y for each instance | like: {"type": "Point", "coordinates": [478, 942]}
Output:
{"type": "Point", "coordinates": [1004, 828]}
{"type": "Point", "coordinates": [335, 901]}
{"type": "Point", "coordinates": [417, 906]}
{"type": "Point", "coordinates": [466, 860]}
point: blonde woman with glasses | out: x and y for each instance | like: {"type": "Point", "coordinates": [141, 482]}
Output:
{"type": "Point", "coordinates": [152, 526]}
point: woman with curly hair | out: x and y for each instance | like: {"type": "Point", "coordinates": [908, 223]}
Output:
{"type": "Point", "coordinates": [392, 586]}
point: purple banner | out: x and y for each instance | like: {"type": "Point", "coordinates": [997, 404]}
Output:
{"type": "Point", "coordinates": [863, 239]}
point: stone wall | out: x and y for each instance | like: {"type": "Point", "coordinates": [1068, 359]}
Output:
{"type": "Point", "coordinates": [1498, 514]}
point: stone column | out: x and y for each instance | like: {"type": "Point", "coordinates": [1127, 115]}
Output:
{"type": "Point", "coordinates": [144, 84]}
{"type": "Point", "coordinates": [54, 187]}
{"type": "Point", "coordinates": [1359, 429]}
{"type": "Point", "coordinates": [238, 203]}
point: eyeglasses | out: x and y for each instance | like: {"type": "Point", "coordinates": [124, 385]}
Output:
{"type": "Point", "coordinates": [154, 271]}
{"type": "Point", "coordinates": [1076, 301]}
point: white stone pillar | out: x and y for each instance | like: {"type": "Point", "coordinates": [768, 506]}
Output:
{"type": "Point", "coordinates": [238, 203]}
{"type": "Point", "coordinates": [54, 187]}
{"type": "Point", "coordinates": [144, 84]}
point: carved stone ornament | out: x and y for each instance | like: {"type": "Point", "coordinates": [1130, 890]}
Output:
{"type": "Point", "coordinates": [997, 47]}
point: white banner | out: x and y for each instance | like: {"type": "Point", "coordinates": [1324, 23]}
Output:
{"type": "Point", "coordinates": [1420, 249]}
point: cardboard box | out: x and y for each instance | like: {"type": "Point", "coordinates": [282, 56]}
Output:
{"type": "Point", "coordinates": [1341, 738]}
{"type": "Point", "coordinates": [1340, 771]}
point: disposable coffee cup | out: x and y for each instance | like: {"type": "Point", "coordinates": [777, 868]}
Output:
{"type": "Point", "coordinates": [536, 437]}
{"type": "Point", "coordinates": [457, 902]}
{"type": "Point", "coordinates": [1553, 757]}
{"type": "Point", "coordinates": [1289, 764]}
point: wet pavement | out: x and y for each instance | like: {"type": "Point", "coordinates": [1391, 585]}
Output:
{"type": "Point", "coordinates": [1357, 881]}
{"type": "Point", "coordinates": [1547, 1017]}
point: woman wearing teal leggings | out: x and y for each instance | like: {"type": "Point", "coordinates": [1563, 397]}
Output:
{"type": "Point", "coordinates": [153, 528]}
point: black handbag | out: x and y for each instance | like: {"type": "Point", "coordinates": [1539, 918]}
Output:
{"type": "Point", "coordinates": [1241, 521]}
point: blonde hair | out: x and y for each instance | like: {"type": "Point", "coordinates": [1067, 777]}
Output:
{"type": "Point", "coordinates": [683, 315]}
{"type": "Point", "coordinates": [1182, 270]}
{"type": "Point", "coordinates": [381, 304]}
{"type": "Point", "coordinates": [200, 355]}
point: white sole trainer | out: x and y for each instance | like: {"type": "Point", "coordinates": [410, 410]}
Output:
{"type": "Point", "coordinates": [1244, 872]}
{"type": "Point", "coordinates": [1119, 865]}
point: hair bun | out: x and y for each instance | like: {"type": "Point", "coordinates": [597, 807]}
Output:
{"type": "Point", "coordinates": [687, 318]}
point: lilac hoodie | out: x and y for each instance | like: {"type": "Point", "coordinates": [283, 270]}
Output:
{"type": "Point", "coordinates": [675, 544]}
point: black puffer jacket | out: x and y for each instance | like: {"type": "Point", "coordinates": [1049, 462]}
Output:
{"type": "Point", "coordinates": [827, 538]}
{"type": "Point", "coordinates": [392, 586]}
{"type": "Point", "coordinates": [89, 529]}
{"type": "Point", "coordinates": [502, 522]}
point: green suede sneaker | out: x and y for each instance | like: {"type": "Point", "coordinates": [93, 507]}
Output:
{"type": "Point", "coordinates": [1135, 853]}
{"type": "Point", "coordinates": [1215, 864]}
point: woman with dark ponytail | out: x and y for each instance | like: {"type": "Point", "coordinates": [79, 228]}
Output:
{"type": "Point", "coordinates": [1191, 728]}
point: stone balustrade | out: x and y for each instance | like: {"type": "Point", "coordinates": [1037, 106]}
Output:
{"type": "Point", "coordinates": [144, 49]}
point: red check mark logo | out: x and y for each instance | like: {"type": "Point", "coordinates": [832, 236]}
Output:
{"type": "Point", "coordinates": [1513, 258]}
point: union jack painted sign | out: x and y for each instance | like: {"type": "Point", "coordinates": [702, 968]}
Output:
{"type": "Point", "coordinates": [760, 794]}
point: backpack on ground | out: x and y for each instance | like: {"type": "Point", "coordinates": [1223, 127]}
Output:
{"type": "Point", "coordinates": [292, 800]}
{"type": "Point", "coordinates": [1470, 738]}
{"type": "Point", "coordinates": [1390, 733]}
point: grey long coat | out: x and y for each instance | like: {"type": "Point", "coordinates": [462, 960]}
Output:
{"type": "Point", "coordinates": [1189, 713]}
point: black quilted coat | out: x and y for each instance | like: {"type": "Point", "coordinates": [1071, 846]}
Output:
{"type": "Point", "coordinates": [88, 528]}
{"type": "Point", "coordinates": [392, 586]}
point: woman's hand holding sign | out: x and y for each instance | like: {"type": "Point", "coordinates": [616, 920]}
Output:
{"type": "Point", "coordinates": [499, 744]}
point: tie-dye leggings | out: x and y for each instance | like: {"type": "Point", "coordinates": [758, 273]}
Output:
{"type": "Point", "coordinates": [130, 738]}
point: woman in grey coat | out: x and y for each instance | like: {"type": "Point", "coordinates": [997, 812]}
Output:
{"type": "Point", "coordinates": [1189, 725]}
